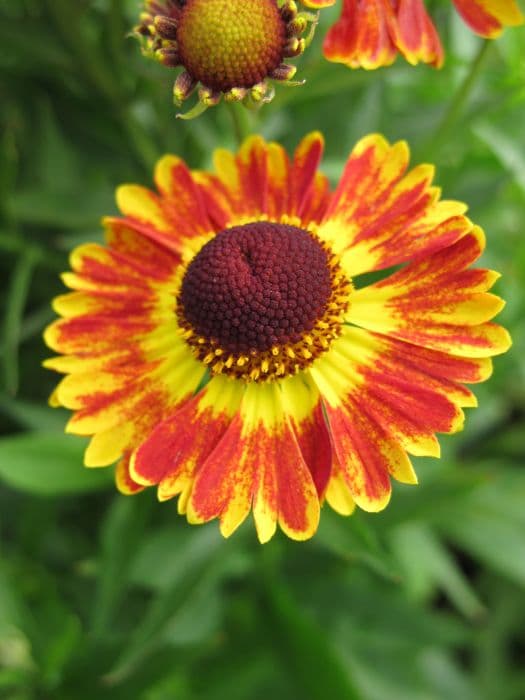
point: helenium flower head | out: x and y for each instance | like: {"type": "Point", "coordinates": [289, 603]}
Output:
{"type": "Point", "coordinates": [227, 48]}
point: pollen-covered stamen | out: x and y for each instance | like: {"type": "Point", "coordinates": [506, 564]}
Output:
{"type": "Point", "coordinates": [262, 301]}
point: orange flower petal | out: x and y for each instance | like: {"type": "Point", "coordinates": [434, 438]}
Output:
{"type": "Point", "coordinates": [379, 217]}
{"type": "Point", "coordinates": [437, 302]}
{"type": "Point", "coordinates": [303, 182]}
{"type": "Point", "coordinates": [123, 480]}
{"type": "Point", "coordinates": [173, 452]}
{"type": "Point", "coordinates": [261, 181]}
{"type": "Point", "coordinates": [257, 459]}
{"type": "Point", "coordinates": [361, 36]}
{"type": "Point", "coordinates": [153, 260]}
{"type": "Point", "coordinates": [174, 218]}
{"type": "Point", "coordinates": [302, 404]}
{"type": "Point", "coordinates": [401, 387]}
{"type": "Point", "coordinates": [415, 35]}
{"type": "Point", "coordinates": [489, 17]}
{"type": "Point", "coordinates": [318, 3]}
{"type": "Point", "coordinates": [338, 494]}
{"type": "Point", "coordinates": [365, 453]}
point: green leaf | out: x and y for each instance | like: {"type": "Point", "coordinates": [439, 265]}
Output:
{"type": "Point", "coordinates": [354, 541]}
{"type": "Point", "coordinates": [302, 646]}
{"type": "Point", "coordinates": [122, 532]}
{"type": "Point", "coordinates": [497, 541]}
{"type": "Point", "coordinates": [427, 565]}
{"type": "Point", "coordinates": [201, 559]}
{"type": "Point", "coordinates": [504, 148]}
{"type": "Point", "coordinates": [48, 465]}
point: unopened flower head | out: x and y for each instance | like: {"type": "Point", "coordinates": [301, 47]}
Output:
{"type": "Point", "coordinates": [223, 347]}
{"type": "Point", "coordinates": [371, 33]}
{"type": "Point", "coordinates": [227, 48]}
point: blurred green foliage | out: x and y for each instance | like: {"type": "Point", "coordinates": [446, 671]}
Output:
{"type": "Point", "coordinates": [107, 597]}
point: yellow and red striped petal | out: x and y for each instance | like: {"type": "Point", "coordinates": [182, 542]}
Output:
{"type": "Point", "coordinates": [303, 405]}
{"type": "Point", "coordinates": [369, 33]}
{"type": "Point", "coordinates": [379, 216]}
{"type": "Point", "coordinates": [318, 4]}
{"type": "Point", "coordinates": [125, 361]}
{"type": "Point", "coordinates": [153, 257]}
{"type": "Point", "coordinates": [258, 463]}
{"type": "Point", "coordinates": [344, 378]}
{"type": "Point", "coordinates": [173, 452]}
{"type": "Point", "coordinates": [437, 302]}
{"type": "Point", "coordinates": [338, 494]}
{"type": "Point", "coordinates": [261, 181]}
{"type": "Point", "coordinates": [361, 37]}
{"type": "Point", "coordinates": [365, 453]}
{"type": "Point", "coordinates": [176, 217]}
{"type": "Point", "coordinates": [384, 392]}
{"type": "Point", "coordinates": [489, 17]}
{"type": "Point", "coordinates": [123, 479]}
{"type": "Point", "coordinates": [414, 34]}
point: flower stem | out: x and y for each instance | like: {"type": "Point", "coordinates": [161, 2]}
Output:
{"type": "Point", "coordinates": [458, 102]}
{"type": "Point", "coordinates": [241, 121]}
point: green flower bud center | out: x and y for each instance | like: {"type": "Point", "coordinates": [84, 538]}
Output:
{"type": "Point", "coordinates": [231, 43]}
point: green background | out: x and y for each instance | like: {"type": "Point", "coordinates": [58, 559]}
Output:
{"type": "Point", "coordinates": [103, 596]}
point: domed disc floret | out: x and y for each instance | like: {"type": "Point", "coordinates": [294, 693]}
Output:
{"type": "Point", "coordinates": [225, 44]}
{"type": "Point", "coordinates": [230, 47]}
{"type": "Point", "coordinates": [261, 301]}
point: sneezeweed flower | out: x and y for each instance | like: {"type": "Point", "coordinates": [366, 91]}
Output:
{"type": "Point", "coordinates": [232, 48]}
{"type": "Point", "coordinates": [222, 347]}
{"type": "Point", "coordinates": [370, 33]}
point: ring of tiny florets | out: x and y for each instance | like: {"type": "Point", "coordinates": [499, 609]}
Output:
{"type": "Point", "coordinates": [262, 301]}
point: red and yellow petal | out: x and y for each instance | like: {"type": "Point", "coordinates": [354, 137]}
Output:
{"type": "Point", "coordinates": [125, 361]}
{"type": "Point", "coordinates": [365, 453]}
{"type": "Point", "coordinates": [261, 182]}
{"type": "Point", "coordinates": [123, 479]}
{"type": "Point", "coordinates": [384, 392]}
{"type": "Point", "coordinates": [379, 217]}
{"type": "Point", "coordinates": [338, 494]}
{"type": "Point", "coordinates": [361, 37]}
{"type": "Point", "coordinates": [306, 185]}
{"type": "Point", "coordinates": [239, 190]}
{"type": "Point", "coordinates": [156, 260]}
{"type": "Point", "coordinates": [489, 17]}
{"type": "Point", "coordinates": [172, 454]}
{"type": "Point", "coordinates": [302, 404]}
{"type": "Point", "coordinates": [318, 4]}
{"type": "Point", "coordinates": [344, 378]}
{"type": "Point", "coordinates": [414, 34]}
{"type": "Point", "coordinates": [409, 408]}
{"type": "Point", "coordinates": [177, 217]}
{"type": "Point", "coordinates": [120, 409]}
{"type": "Point", "coordinates": [437, 302]}
{"type": "Point", "coordinates": [257, 463]}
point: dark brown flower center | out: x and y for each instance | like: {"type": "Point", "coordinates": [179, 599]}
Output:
{"type": "Point", "coordinates": [256, 286]}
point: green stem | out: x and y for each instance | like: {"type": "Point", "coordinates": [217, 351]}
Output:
{"type": "Point", "coordinates": [241, 121]}
{"type": "Point", "coordinates": [124, 526]}
{"type": "Point", "coordinates": [16, 301]}
{"type": "Point", "coordinates": [458, 102]}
